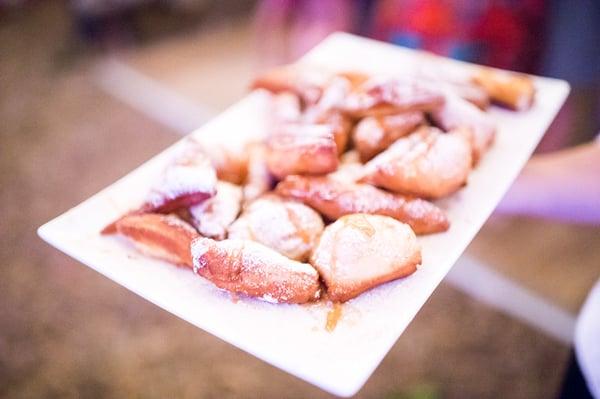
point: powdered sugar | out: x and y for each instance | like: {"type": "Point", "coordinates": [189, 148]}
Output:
{"type": "Point", "coordinates": [190, 173]}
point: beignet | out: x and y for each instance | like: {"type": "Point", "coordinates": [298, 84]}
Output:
{"type": "Point", "coordinates": [289, 227]}
{"type": "Point", "coordinates": [301, 149]}
{"type": "Point", "coordinates": [385, 96]}
{"type": "Point", "coordinates": [374, 134]}
{"type": "Point", "coordinates": [427, 163]}
{"type": "Point", "coordinates": [252, 269]}
{"type": "Point", "coordinates": [359, 252]}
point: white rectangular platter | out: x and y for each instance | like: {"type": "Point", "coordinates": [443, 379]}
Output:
{"type": "Point", "coordinates": [293, 337]}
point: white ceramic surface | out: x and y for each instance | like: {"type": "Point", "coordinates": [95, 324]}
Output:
{"type": "Point", "coordinates": [292, 337]}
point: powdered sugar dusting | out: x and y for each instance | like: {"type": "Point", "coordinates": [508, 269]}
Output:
{"type": "Point", "coordinates": [190, 173]}
{"type": "Point", "coordinates": [199, 247]}
{"type": "Point", "coordinates": [213, 216]}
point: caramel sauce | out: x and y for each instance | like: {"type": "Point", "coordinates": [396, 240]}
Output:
{"type": "Point", "coordinates": [333, 316]}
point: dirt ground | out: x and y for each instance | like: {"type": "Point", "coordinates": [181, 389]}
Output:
{"type": "Point", "coordinates": [66, 331]}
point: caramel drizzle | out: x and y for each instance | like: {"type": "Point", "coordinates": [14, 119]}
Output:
{"type": "Point", "coordinates": [333, 317]}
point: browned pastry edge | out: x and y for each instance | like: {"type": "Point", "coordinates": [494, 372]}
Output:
{"type": "Point", "coordinates": [392, 127]}
{"type": "Point", "coordinates": [334, 199]}
{"type": "Point", "coordinates": [347, 292]}
{"type": "Point", "coordinates": [510, 89]}
{"type": "Point", "coordinates": [301, 154]}
{"type": "Point", "coordinates": [252, 269]}
{"type": "Point", "coordinates": [167, 206]}
{"type": "Point", "coordinates": [161, 233]}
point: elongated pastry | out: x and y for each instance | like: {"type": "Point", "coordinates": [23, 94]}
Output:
{"type": "Point", "coordinates": [377, 97]}
{"type": "Point", "coordinates": [334, 198]}
{"type": "Point", "coordinates": [213, 216]}
{"type": "Point", "coordinates": [165, 237]}
{"type": "Point", "coordinates": [289, 227]}
{"type": "Point", "coordinates": [302, 149]}
{"type": "Point", "coordinates": [374, 134]}
{"type": "Point", "coordinates": [479, 128]}
{"type": "Point", "coordinates": [427, 163]}
{"type": "Point", "coordinates": [252, 269]}
{"type": "Point", "coordinates": [513, 90]}
{"type": "Point", "coordinates": [359, 252]}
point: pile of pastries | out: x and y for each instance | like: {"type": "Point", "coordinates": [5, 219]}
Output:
{"type": "Point", "coordinates": [330, 203]}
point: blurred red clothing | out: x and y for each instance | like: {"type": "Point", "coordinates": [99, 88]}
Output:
{"type": "Point", "coordinates": [502, 33]}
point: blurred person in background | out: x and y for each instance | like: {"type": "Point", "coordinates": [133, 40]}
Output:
{"type": "Point", "coordinates": [565, 186]}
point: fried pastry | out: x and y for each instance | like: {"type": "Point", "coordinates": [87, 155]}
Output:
{"type": "Point", "coordinates": [374, 134]}
{"type": "Point", "coordinates": [359, 252]}
{"type": "Point", "coordinates": [513, 90]}
{"type": "Point", "coordinates": [305, 81]}
{"type": "Point", "coordinates": [213, 216]}
{"type": "Point", "coordinates": [340, 126]}
{"type": "Point", "coordinates": [334, 198]}
{"type": "Point", "coordinates": [164, 237]}
{"type": "Point", "coordinates": [301, 149]}
{"type": "Point", "coordinates": [289, 227]}
{"type": "Point", "coordinates": [377, 97]}
{"type": "Point", "coordinates": [252, 269]}
{"type": "Point", "coordinates": [259, 180]}
{"type": "Point", "coordinates": [427, 163]}
{"type": "Point", "coordinates": [187, 181]}
{"type": "Point", "coordinates": [456, 113]}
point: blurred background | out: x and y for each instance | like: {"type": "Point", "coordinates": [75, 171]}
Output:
{"type": "Point", "coordinates": [90, 89]}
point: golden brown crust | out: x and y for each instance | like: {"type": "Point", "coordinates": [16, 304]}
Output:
{"type": "Point", "coordinates": [427, 164]}
{"type": "Point", "coordinates": [164, 237]}
{"type": "Point", "coordinates": [249, 268]}
{"type": "Point", "coordinates": [306, 81]}
{"type": "Point", "coordinates": [334, 198]}
{"type": "Point", "coordinates": [513, 90]}
{"type": "Point", "coordinates": [359, 252]}
{"type": "Point", "coordinates": [301, 149]}
{"type": "Point", "coordinates": [374, 134]}
{"type": "Point", "coordinates": [378, 97]}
